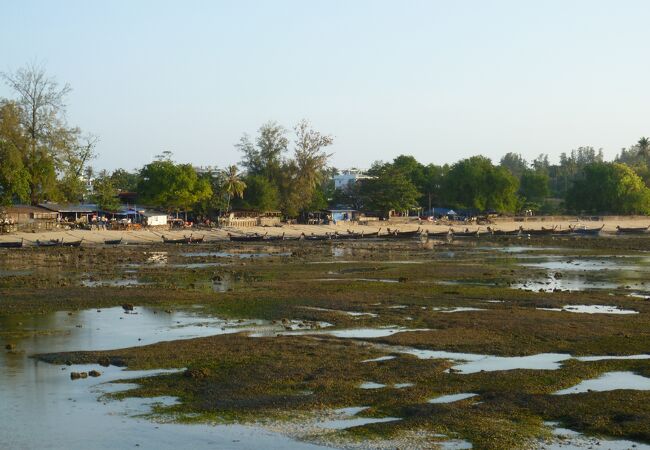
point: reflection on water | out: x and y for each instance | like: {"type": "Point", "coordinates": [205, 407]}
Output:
{"type": "Point", "coordinates": [42, 408]}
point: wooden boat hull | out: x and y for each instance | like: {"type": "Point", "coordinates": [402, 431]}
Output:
{"type": "Point", "coordinates": [11, 244]}
{"type": "Point", "coordinates": [71, 244]}
{"type": "Point", "coordinates": [56, 243]}
{"type": "Point", "coordinates": [113, 242]}
{"type": "Point", "coordinates": [441, 235]}
{"type": "Point", "coordinates": [184, 240]}
{"type": "Point", "coordinates": [637, 230]}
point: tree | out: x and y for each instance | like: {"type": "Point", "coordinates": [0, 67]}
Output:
{"type": "Point", "coordinates": [390, 190]}
{"type": "Point", "coordinates": [534, 186]}
{"type": "Point", "coordinates": [266, 155]}
{"type": "Point", "coordinates": [515, 163]}
{"type": "Point", "coordinates": [476, 183]}
{"type": "Point", "coordinates": [174, 187]}
{"type": "Point", "coordinates": [14, 178]}
{"type": "Point", "coordinates": [260, 194]}
{"type": "Point", "coordinates": [105, 193]}
{"type": "Point", "coordinates": [232, 185]}
{"type": "Point", "coordinates": [609, 187]}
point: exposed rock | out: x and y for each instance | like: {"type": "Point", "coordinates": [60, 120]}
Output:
{"type": "Point", "coordinates": [10, 346]}
{"type": "Point", "coordinates": [128, 307]}
{"type": "Point", "coordinates": [94, 373]}
{"type": "Point", "coordinates": [78, 375]}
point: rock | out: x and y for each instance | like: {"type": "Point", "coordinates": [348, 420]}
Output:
{"type": "Point", "coordinates": [10, 347]}
{"type": "Point", "coordinates": [78, 375]}
{"type": "Point", "coordinates": [402, 280]}
{"type": "Point", "coordinates": [128, 307]}
{"type": "Point", "coordinates": [94, 373]}
{"type": "Point", "coordinates": [104, 361]}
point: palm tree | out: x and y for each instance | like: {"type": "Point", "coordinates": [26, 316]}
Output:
{"type": "Point", "coordinates": [232, 185]}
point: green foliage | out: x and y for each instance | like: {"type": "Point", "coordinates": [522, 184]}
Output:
{"type": "Point", "coordinates": [476, 183]}
{"type": "Point", "coordinates": [260, 194]}
{"type": "Point", "coordinates": [609, 187]}
{"type": "Point", "coordinates": [124, 181]}
{"type": "Point", "coordinates": [390, 190]}
{"type": "Point", "coordinates": [232, 186]}
{"type": "Point", "coordinates": [173, 187]}
{"type": "Point", "coordinates": [515, 163]}
{"type": "Point", "coordinates": [105, 193]}
{"type": "Point", "coordinates": [533, 186]}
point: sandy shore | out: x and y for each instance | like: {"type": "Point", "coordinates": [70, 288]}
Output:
{"type": "Point", "coordinates": [221, 234]}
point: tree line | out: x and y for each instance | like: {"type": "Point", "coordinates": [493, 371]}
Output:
{"type": "Point", "coordinates": [43, 158]}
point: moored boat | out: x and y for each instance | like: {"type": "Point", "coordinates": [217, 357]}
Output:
{"type": "Point", "coordinates": [247, 237]}
{"type": "Point", "coordinates": [183, 240]}
{"type": "Point", "coordinates": [631, 230]}
{"type": "Point", "coordinates": [275, 238]}
{"type": "Point", "coordinates": [397, 234]}
{"type": "Point", "coordinates": [12, 244]}
{"type": "Point", "coordinates": [113, 241]}
{"type": "Point", "coordinates": [316, 237]}
{"type": "Point", "coordinates": [49, 243]}
{"type": "Point", "coordinates": [71, 243]}
{"type": "Point", "coordinates": [584, 231]}
{"type": "Point", "coordinates": [538, 232]}
{"type": "Point", "coordinates": [463, 234]}
{"type": "Point", "coordinates": [494, 232]}
{"type": "Point", "coordinates": [439, 234]}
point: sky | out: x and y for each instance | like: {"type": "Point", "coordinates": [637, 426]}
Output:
{"type": "Point", "coordinates": [439, 80]}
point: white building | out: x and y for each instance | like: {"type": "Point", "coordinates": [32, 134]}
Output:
{"type": "Point", "coordinates": [347, 178]}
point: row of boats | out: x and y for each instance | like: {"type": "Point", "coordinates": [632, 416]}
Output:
{"type": "Point", "coordinates": [351, 235]}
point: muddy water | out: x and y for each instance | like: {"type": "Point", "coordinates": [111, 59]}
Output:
{"type": "Point", "coordinates": [42, 408]}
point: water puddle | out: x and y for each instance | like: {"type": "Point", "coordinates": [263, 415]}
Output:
{"type": "Point", "coordinates": [380, 359]}
{"type": "Point", "coordinates": [452, 398]}
{"type": "Point", "coordinates": [566, 439]}
{"type": "Point", "coordinates": [112, 283]}
{"type": "Point", "coordinates": [43, 408]}
{"type": "Point", "coordinates": [234, 254]}
{"type": "Point", "coordinates": [371, 385]}
{"type": "Point", "coordinates": [456, 309]}
{"type": "Point", "coordinates": [610, 381]}
{"type": "Point", "coordinates": [473, 363]}
{"type": "Point", "coordinates": [340, 311]}
{"type": "Point", "coordinates": [592, 309]}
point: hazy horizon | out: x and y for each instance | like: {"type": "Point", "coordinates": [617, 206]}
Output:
{"type": "Point", "coordinates": [437, 80]}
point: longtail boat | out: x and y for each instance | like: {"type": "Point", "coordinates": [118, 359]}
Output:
{"type": "Point", "coordinates": [584, 231]}
{"type": "Point", "coordinates": [466, 233]}
{"type": "Point", "coordinates": [113, 241]}
{"type": "Point", "coordinates": [396, 234]}
{"type": "Point", "coordinates": [317, 237]}
{"type": "Point", "coordinates": [247, 238]}
{"type": "Point", "coordinates": [538, 232]}
{"type": "Point", "coordinates": [439, 234]}
{"type": "Point", "coordinates": [494, 232]}
{"type": "Point", "coordinates": [12, 244]}
{"type": "Point", "coordinates": [71, 243]}
{"type": "Point", "coordinates": [50, 243]}
{"type": "Point", "coordinates": [275, 238]}
{"type": "Point", "coordinates": [195, 240]}
{"type": "Point", "coordinates": [631, 230]}
{"type": "Point", "coordinates": [183, 240]}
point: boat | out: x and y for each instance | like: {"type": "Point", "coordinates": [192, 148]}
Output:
{"type": "Point", "coordinates": [538, 232]}
{"type": "Point", "coordinates": [113, 241]}
{"type": "Point", "coordinates": [564, 232]}
{"type": "Point", "coordinates": [396, 234]}
{"type": "Point", "coordinates": [292, 238]}
{"type": "Point", "coordinates": [50, 243]}
{"type": "Point", "coordinates": [373, 235]}
{"type": "Point", "coordinates": [275, 238]}
{"type": "Point", "coordinates": [349, 235]}
{"type": "Point", "coordinates": [316, 237]}
{"type": "Point", "coordinates": [183, 240]}
{"type": "Point", "coordinates": [516, 232]}
{"type": "Point", "coordinates": [439, 234]}
{"type": "Point", "coordinates": [584, 231]}
{"type": "Point", "coordinates": [12, 244]}
{"type": "Point", "coordinates": [463, 234]}
{"type": "Point", "coordinates": [195, 240]}
{"type": "Point", "coordinates": [631, 230]}
{"type": "Point", "coordinates": [71, 243]}
{"type": "Point", "coordinates": [247, 237]}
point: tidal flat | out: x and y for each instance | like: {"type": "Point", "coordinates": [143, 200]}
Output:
{"type": "Point", "coordinates": [255, 337]}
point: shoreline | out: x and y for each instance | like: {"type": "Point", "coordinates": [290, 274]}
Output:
{"type": "Point", "coordinates": [153, 235]}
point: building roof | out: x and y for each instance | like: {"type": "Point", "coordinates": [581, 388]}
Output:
{"type": "Point", "coordinates": [25, 209]}
{"type": "Point", "coordinates": [83, 208]}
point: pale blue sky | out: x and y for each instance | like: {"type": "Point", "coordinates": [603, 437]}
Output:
{"type": "Point", "coordinates": [440, 80]}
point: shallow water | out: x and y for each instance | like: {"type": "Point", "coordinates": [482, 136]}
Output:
{"type": "Point", "coordinates": [567, 439]}
{"type": "Point", "coordinates": [610, 381]}
{"type": "Point", "coordinates": [234, 254]}
{"type": "Point", "coordinates": [592, 309]}
{"type": "Point", "coordinates": [452, 398]}
{"type": "Point", "coordinates": [42, 408]}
